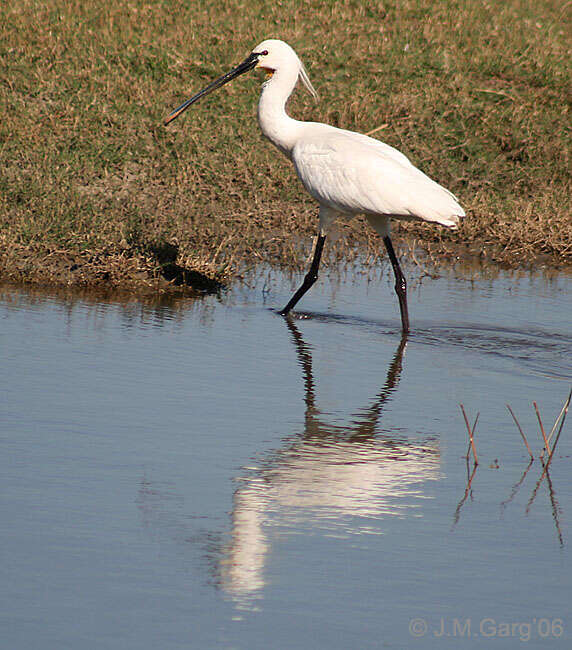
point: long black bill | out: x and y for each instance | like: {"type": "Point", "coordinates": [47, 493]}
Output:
{"type": "Point", "coordinates": [248, 63]}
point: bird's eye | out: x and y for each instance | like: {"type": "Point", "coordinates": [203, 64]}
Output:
{"type": "Point", "coordinates": [264, 53]}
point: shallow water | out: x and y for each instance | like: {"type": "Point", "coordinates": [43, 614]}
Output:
{"type": "Point", "coordinates": [202, 474]}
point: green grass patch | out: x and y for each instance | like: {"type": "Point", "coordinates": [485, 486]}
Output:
{"type": "Point", "coordinates": [477, 94]}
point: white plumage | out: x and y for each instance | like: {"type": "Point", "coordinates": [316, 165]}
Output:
{"type": "Point", "coordinates": [347, 173]}
{"type": "Point", "coordinates": [364, 176]}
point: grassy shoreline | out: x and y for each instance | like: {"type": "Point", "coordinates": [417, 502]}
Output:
{"type": "Point", "coordinates": [94, 191]}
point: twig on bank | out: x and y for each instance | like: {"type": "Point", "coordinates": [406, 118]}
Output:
{"type": "Point", "coordinates": [500, 93]}
{"type": "Point", "coordinates": [379, 128]}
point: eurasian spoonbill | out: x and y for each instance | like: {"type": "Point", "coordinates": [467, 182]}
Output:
{"type": "Point", "coordinates": [347, 173]}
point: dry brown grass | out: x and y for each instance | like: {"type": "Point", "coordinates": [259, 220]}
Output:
{"type": "Point", "coordinates": [94, 190]}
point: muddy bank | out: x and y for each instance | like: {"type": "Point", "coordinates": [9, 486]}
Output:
{"type": "Point", "coordinates": [163, 271]}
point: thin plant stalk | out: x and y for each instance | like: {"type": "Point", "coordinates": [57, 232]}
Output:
{"type": "Point", "coordinates": [521, 432]}
{"type": "Point", "coordinates": [471, 433]}
{"type": "Point", "coordinates": [565, 411]}
{"type": "Point", "coordinates": [546, 445]}
{"type": "Point", "coordinates": [545, 470]}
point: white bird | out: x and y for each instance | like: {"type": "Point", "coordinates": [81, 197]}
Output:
{"type": "Point", "coordinates": [347, 173]}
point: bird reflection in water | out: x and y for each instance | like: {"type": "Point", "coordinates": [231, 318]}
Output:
{"type": "Point", "coordinates": [341, 479]}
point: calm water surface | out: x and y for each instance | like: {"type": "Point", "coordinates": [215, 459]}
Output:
{"type": "Point", "coordinates": [202, 474]}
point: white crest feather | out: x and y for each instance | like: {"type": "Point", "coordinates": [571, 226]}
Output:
{"type": "Point", "coordinates": [306, 81]}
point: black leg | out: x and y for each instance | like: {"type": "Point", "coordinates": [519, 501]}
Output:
{"type": "Point", "coordinates": [400, 285]}
{"type": "Point", "coordinates": [311, 276]}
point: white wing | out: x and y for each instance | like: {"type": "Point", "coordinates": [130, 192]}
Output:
{"type": "Point", "coordinates": [352, 174]}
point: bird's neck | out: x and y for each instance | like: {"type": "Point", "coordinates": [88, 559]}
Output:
{"type": "Point", "coordinates": [274, 122]}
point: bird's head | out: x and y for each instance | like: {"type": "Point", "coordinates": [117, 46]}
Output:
{"type": "Point", "coordinates": [274, 55]}
{"type": "Point", "coordinates": [271, 55]}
